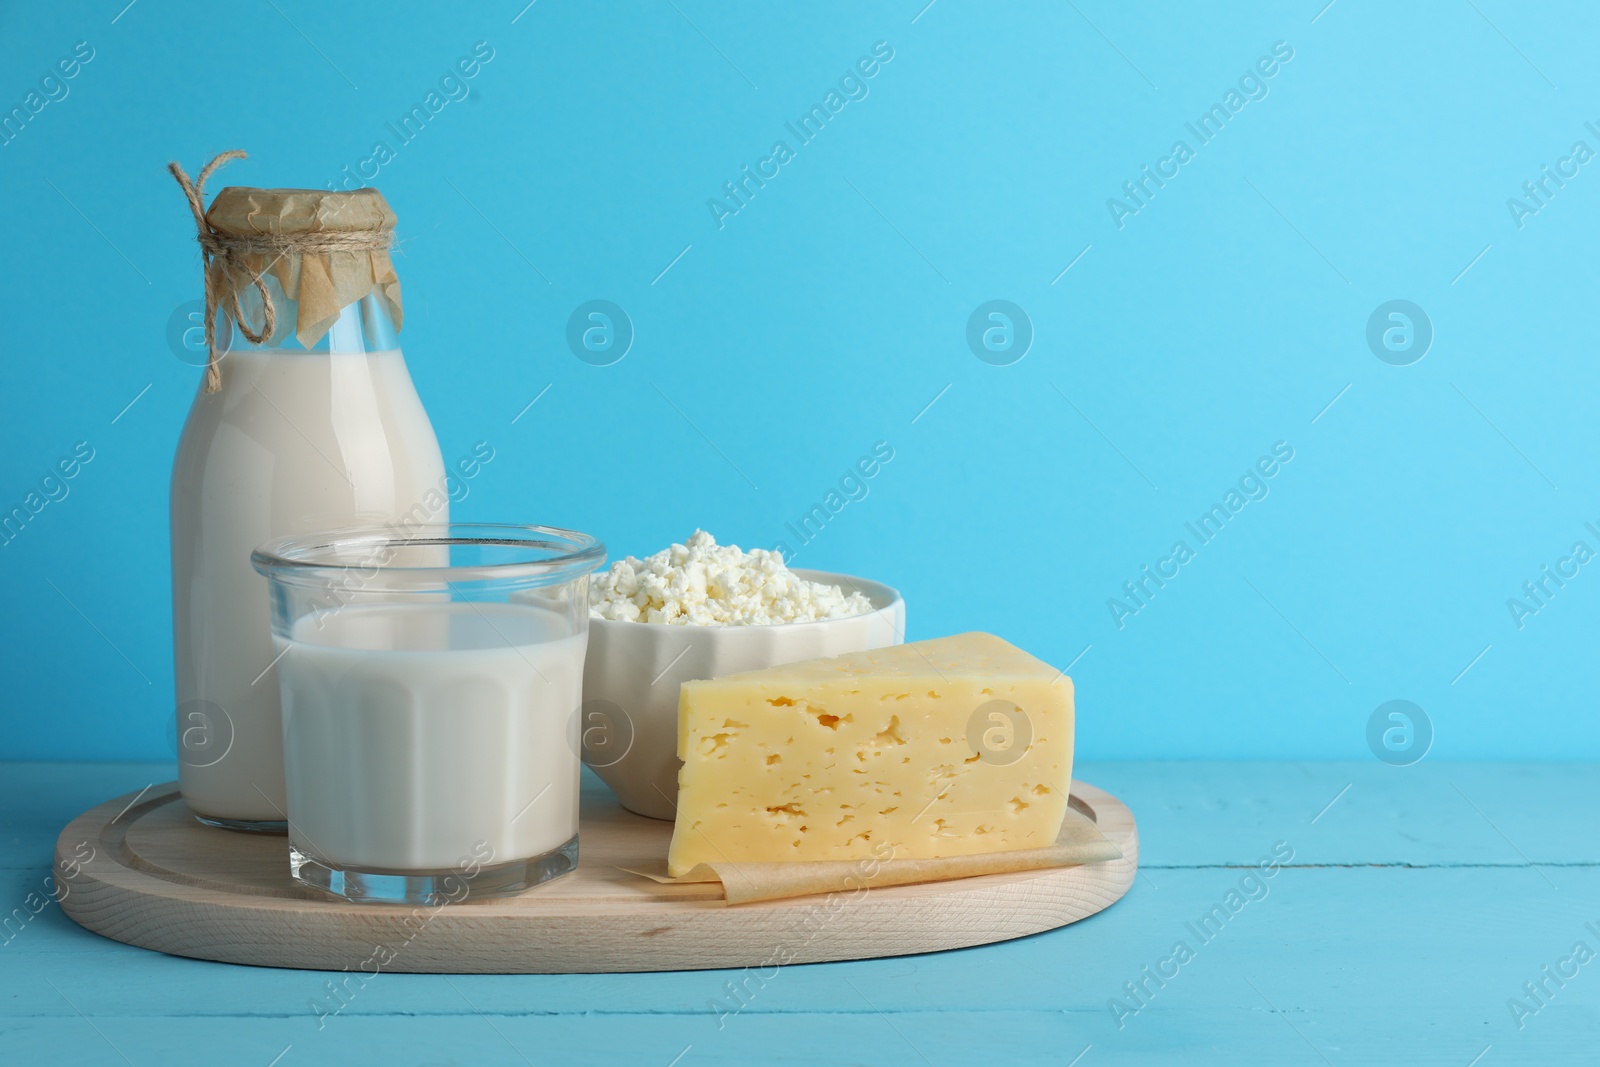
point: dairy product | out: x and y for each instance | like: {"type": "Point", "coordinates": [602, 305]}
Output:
{"type": "Point", "coordinates": [295, 441]}
{"type": "Point", "coordinates": [701, 583]}
{"type": "Point", "coordinates": [414, 732]}
{"type": "Point", "coordinates": [948, 747]}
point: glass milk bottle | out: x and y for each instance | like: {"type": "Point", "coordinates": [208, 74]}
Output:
{"type": "Point", "coordinates": [307, 420]}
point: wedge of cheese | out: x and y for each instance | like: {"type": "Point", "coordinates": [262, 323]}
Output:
{"type": "Point", "coordinates": [939, 748]}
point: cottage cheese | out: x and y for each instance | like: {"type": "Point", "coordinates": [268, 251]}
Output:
{"type": "Point", "coordinates": [702, 583]}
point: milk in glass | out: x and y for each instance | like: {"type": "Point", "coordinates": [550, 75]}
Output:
{"type": "Point", "coordinates": [422, 735]}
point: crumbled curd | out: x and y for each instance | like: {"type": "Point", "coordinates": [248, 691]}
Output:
{"type": "Point", "coordinates": [701, 583]}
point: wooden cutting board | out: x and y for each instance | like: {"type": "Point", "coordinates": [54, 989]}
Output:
{"type": "Point", "coordinates": [160, 880]}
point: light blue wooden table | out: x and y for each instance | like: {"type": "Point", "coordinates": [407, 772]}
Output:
{"type": "Point", "coordinates": [1418, 905]}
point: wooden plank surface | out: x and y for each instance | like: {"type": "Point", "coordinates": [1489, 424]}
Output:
{"type": "Point", "coordinates": [1416, 905]}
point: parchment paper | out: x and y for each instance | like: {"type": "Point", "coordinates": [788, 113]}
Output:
{"type": "Point", "coordinates": [1079, 841]}
{"type": "Point", "coordinates": [319, 283]}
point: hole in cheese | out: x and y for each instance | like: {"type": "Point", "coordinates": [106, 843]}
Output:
{"type": "Point", "coordinates": [890, 734]}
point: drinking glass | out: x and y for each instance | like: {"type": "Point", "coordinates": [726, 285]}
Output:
{"type": "Point", "coordinates": [431, 677]}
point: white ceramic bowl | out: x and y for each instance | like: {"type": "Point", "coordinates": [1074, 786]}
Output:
{"type": "Point", "coordinates": [633, 669]}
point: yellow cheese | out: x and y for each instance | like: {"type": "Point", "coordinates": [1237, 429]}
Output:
{"type": "Point", "coordinates": [938, 748]}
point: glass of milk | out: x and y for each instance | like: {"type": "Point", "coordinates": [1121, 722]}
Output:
{"type": "Point", "coordinates": [430, 677]}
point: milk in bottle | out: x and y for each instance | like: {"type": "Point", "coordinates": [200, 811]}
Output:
{"type": "Point", "coordinates": [315, 426]}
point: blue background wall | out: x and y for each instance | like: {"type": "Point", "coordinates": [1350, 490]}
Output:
{"type": "Point", "coordinates": [1224, 316]}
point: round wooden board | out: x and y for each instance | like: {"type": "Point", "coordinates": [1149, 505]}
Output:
{"type": "Point", "coordinates": [160, 880]}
